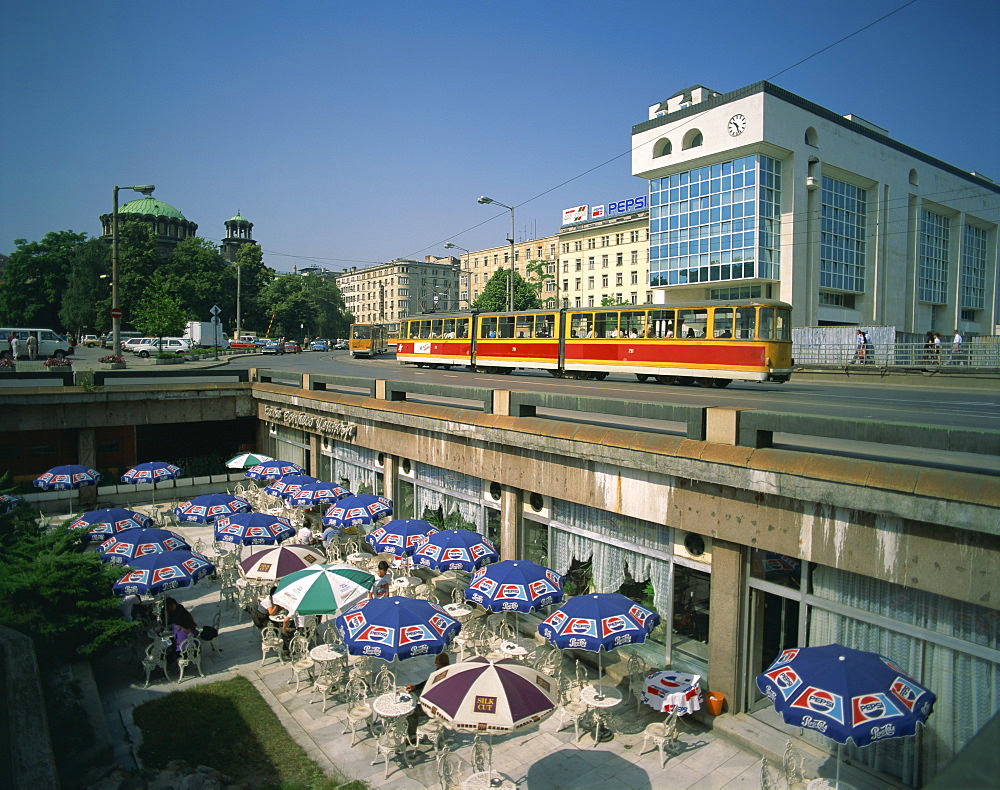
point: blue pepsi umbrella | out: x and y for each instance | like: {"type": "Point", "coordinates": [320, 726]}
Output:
{"type": "Point", "coordinates": [207, 508]}
{"type": "Point", "coordinates": [253, 529]}
{"type": "Point", "coordinates": [396, 627]}
{"type": "Point", "coordinates": [126, 546]}
{"type": "Point", "coordinates": [401, 536]}
{"type": "Point", "coordinates": [66, 478]}
{"type": "Point", "coordinates": [152, 472]}
{"type": "Point", "coordinates": [8, 503]}
{"type": "Point", "coordinates": [846, 694]}
{"type": "Point", "coordinates": [598, 621]}
{"type": "Point", "coordinates": [272, 470]}
{"type": "Point", "coordinates": [317, 493]}
{"type": "Point", "coordinates": [289, 485]}
{"type": "Point", "coordinates": [107, 522]}
{"type": "Point", "coordinates": [456, 550]}
{"type": "Point", "coordinates": [515, 586]}
{"type": "Point", "coordinates": [357, 511]}
{"type": "Point", "coordinates": [152, 574]}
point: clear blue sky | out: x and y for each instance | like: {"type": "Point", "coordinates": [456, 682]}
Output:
{"type": "Point", "coordinates": [360, 132]}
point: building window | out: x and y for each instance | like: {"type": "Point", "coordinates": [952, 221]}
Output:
{"type": "Point", "coordinates": [633, 236]}
{"type": "Point", "coordinates": [604, 261]}
{"type": "Point", "coordinates": [590, 301]}
{"type": "Point", "coordinates": [634, 278]}
{"type": "Point", "coordinates": [716, 223]}
{"type": "Point", "coordinates": [634, 257]}
{"type": "Point", "coordinates": [634, 297]}
{"type": "Point", "coordinates": [577, 245]}
{"type": "Point", "coordinates": [693, 139]}
{"type": "Point", "coordinates": [590, 262]}
{"type": "Point", "coordinates": [591, 243]}
{"type": "Point", "coordinates": [843, 214]}
{"type": "Point", "coordinates": [618, 278]}
{"type": "Point", "coordinates": [565, 246]}
{"type": "Point", "coordinates": [565, 285]}
{"type": "Point", "coordinates": [605, 241]}
{"type": "Point", "coordinates": [619, 238]}
{"type": "Point", "coordinates": [740, 292]}
{"type": "Point", "coordinates": [565, 266]}
{"type": "Point", "coordinates": [972, 282]}
{"type": "Point", "coordinates": [662, 147]}
{"type": "Point", "coordinates": [828, 299]}
{"type": "Point", "coordinates": [576, 302]}
{"type": "Point", "coordinates": [604, 281]}
{"type": "Point", "coordinates": [590, 283]}
{"type": "Point", "coordinates": [932, 268]}
{"type": "Point", "coordinates": [579, 264]}
{"type": "Point", "coordinates": [619, 259]}
{"type": "Point", "coordinates": [577, 282]}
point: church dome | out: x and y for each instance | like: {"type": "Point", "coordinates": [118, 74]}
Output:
{"type": "Point", "coordinates": [150, 205]}
{"type": "Point", "coordinates": [238, 218]}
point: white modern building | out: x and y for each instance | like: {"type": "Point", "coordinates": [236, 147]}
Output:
{"type": "Point", "coordinates": [759, 192]}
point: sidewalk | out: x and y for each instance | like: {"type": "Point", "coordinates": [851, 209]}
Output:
{"type": "Point", "coordinates": [543, 757]}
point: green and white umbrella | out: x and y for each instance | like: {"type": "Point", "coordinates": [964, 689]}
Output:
{"type": "Point", "coordinates": [247, 460]}
{"type": "Point", "coordinates": [323, 589]}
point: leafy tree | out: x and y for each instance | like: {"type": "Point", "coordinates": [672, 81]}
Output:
{"type": "Point", "coordinates": [160, 314]}
{"type": "Point", "coordinates": [35, 279]}
{"type": "Point", "coordinates": [613, 301]}
{"type": "Point", "coordinates": [86, 301]}
{"type": "Point", "coordinates": [305, 305]}
{"type": "Point", "coordinates": [201, 278]}
{"type": "Point", "coordinates": [138, 261]}
{"type": "Point", "coordinates": [494, 295]}
{"type": "Point", "coordinates": [254, 277]}
{"type": "Point", "coordinates": [538, 276]}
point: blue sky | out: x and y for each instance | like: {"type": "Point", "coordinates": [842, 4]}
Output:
{"type": "Point", "coordinates": [355, 133]}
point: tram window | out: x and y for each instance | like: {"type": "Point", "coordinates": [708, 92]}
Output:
{"type": "Point", "coordinates": [425, 329]}
{"type": "Point", "coordinates": [766, 328]}
{"type": "Point", "coordinates": [692, 323]}
{"type": "Point", "coordinates": [436, 329]}
{"type": "Point", "coordinates": [784, 317]}
{"type": "Point", "coordinates": [632, 324]}
{"type": "Point", "coordinates": [722, 322]}
{"type": "Point", "coordinates": [462, 327]}
{"type": "Point", "coordinates": [449, 328]}
{"type": "Point", "coordinates": [506, 327]}
{"type": "Point", "coordinates": [745, 323]}
{"type": "Point", "coordinates": [606, 325]}
{"type": "Point", "coordinates": [661, 323]}
{"type": "Point", "coordinates": [488, 326]}
{"type": "Point", "coordinates": [544, 325]}
{"type": "Point", "coordinates": [583, 325]}
{"type": "Point", "coordinates": [524, 326]}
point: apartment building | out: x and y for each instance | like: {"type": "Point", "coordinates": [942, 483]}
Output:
{"type": "Point", "coordinates": [390, 291]}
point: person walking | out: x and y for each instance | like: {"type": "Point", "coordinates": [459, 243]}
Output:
{"type": "Point", "coordinates": [937, 348]}
{"type": "Point", "coordinates": [15, 347]}
{"type": "Point", "coordinates": [32, 346]}
{"type": "Point", "coordinates": [956, 349]}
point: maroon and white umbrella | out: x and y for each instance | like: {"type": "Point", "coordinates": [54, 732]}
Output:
{"type": "Point", "coordinates": [488, 697]}
{"type": "Point", "coordinates": [269, 565]}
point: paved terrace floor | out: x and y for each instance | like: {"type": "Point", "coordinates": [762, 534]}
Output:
{"type": "Point", "coordinates": [541, 758]}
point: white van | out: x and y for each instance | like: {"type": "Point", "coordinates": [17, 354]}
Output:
{"type": "Point", "coordinates": [50, 344]}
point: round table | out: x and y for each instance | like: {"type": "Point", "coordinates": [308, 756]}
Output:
{"type": "Point", "coordinates": [512, 650]}
{"type": "Point", "coordinates": [666, 689]}
{"type": "Point", "coordinates": [457, 610]}
{"type": "Point", "coordinates": [403, 583]}
{"type": "Point", "coordinates": [599, 696]}
{"type": "Point", "coordinates": [485, 780]}
{"type": "Point", "coordinates": [394, 704]}
{"type": "Point", "coordinates": [358, 558]}
{"type": "Point", "coordinates": [324, 653]}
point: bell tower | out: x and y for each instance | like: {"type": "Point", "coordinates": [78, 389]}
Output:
{"type": "Point", "coordinates": [238, 233]}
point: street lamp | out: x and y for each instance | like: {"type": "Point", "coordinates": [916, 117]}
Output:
{"type": "Point", "coordinates": [116, 325]}
{"type": "Point", "coordinates": [450, 246]}
{"type": "Point", "coordinates": [510, 280]}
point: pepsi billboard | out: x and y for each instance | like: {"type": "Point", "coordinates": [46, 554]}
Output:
{"type": "Point", "coordinates": [605, 210]}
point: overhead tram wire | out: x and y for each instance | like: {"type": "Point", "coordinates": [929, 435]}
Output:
{"type": "Point", "coordinates": [689, 121]}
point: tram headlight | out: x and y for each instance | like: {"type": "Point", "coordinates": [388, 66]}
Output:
{"type": "Point", "coordinates": [767, 362]}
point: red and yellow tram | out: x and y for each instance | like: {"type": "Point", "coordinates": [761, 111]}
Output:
{"type": "Point", "coordinates": [709, 343]}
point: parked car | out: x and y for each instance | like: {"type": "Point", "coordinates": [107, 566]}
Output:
{"type": "Point", "coordinates": [90, 341]}
{"type": "Point", "coordinates": [132, 342]}
{"type": "Point", "coordinates": [108, 340]}
{"type": "Point", "coordinates": [154, 345]}
{"type": "Point", "coordinates": [247, 341]}
{"type": "Point", "coordinates": [319, 345]}
{"type": "Point", "coordinates": [341, 345]}
{"type": "Point", "coordinates": [272, 347]}
{"type": "Point", "coordinates": [291, 347]}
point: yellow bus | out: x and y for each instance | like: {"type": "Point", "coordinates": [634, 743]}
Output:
{"type": "Point", "coordinates": [368, 340]}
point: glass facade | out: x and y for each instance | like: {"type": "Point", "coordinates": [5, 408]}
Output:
{"type": "Point", "coordinates": [972, 287]}
{"type": "Point", "coordinates": [716, 223]}
{"type": "Point", "coordinates": [932, 271]}
{"type": "Point", "coordinates": [842, 236]}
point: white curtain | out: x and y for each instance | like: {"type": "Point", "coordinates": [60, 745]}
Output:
{"type": "Point", "coordinates": [967, 687]}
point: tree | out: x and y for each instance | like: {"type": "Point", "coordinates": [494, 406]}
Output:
{"type": "Point", "coordinates": [538, 276]}
{"type": "Point", "coordinates": [159, 314]}
{"type": "Point", "coordinates": [35, 279]}
{"type": "Point", "coordinates": [86, 300]}
{"type": "Point", "coordinates": [138, 261]}
{"type": "Point", "coordinates": [201, 278]}
{"type": "Point", "coordinates": [613, 301]}
{"type": "Point", "coordinates": [494, 295]}
{"type": "Point", "coordinates": [305, 304]}
{"type": "Point", "coordinates": [254, 278]}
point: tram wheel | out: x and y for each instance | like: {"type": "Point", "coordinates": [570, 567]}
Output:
{"type": "Point", "coordinates": [720, 383]}
{"type": "Point", "coordinates": [556, 373]}
{"type": "Point", "coordinates": [641, 376]}
{"type": "Point", "coordinates": [703, 382]}
{"type": "Point", "coordinates": [600, 376]}
{"type": "Point", "coordinates": [685, 381]}
{"type": "Point", "coordinates": [667, 379]}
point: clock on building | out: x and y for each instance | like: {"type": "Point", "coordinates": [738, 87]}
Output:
{"type": "Point", "coordinates": [737, 124]}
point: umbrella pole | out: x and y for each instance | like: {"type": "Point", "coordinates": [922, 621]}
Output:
{"type": "Point", "coordinates": [838, 765]}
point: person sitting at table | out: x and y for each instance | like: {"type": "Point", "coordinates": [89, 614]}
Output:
{"type": "Point", "coordinates": [266, 608]}
{"type": "Point", "coordinates": [181, 622]}
{"type": "Point", "coordinates": [329, 536]}
{"type": "Point", "coordinates": [304, 535]}
{"type": "Point", "coordinates": [441, 660]}
{"type": "Point", "coordinates": [382, 581]}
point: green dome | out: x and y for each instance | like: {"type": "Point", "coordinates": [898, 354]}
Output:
{"type": "Point", "coordinates": [238, 218]}
{"type": "Point", "coordinates": [150, 205]}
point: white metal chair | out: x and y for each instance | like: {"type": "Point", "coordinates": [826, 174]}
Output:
{"type": "Point", "coordinates": [270, 640]}
{"type": "Point", "coordinates": [328, 683]}
{"type": "Point", "coordinates": [571, 707]}
{"type": "Point", "coordinates": [301, 663]}
{"type": "Point", "coordinates": [392, 743]}
{"type": "Point", "coordinates": [155, 657]}
{"type": "Point", "coordinates": [359, 712]}
{"type": "Point", "coordinates": [663, 734]}
{"type": "Point", "coordinates": [448, 766]}
{"type": "Point", "coordinates": [189, 656]}
{"type": "Point", "coordinates": [637, 671]}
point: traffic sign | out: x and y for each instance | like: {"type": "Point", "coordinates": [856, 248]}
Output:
{"type": "Point", "coordinates": [215, 319]}
{"type": "Point", "coordinates": [215, 310]}
{"type": "Point", "coordinates": [116, 312]}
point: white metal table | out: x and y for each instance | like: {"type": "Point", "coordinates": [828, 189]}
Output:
{"type": "Point", "coordinates": [488, 780]}
{"type": "Point", "coordinates": [600, 697]}
{"type": "Point", "coordinates": [394, 704]}
{"type": "Point", "coordinates": [457, 610]}
{"type": "Point", "coordinates": [666, 689]}
{"type": "Point", "coordinates": [323, 654]}
{"type": "Point", "coordinates": [513, 650]}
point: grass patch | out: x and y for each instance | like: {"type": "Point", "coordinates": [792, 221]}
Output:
{"type": "Point", "coordinates": [227, 726]}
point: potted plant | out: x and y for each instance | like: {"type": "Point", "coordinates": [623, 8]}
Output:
{"type": "Point", "coordinates": [112, 362]}
{"type": "Point", "coordinates": [6, 365]}
{"type": "Point", "coordinates": [56, 363]}
{"type": "Point", "coordinates": [168, 358]}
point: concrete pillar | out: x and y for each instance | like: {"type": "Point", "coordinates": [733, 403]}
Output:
{"type": "Point", "coordinates": [314, 448]}
{"type": "Point", "coordinates": [722, 424]}
{"type": "Point", "coordinates": [86, 453]}
{"type": "Point", "coordinates": [511, 503]}
{"type": "Point", "coordinates": [390, 475]}
{"type": "Point", "coordinates": [726, 627]}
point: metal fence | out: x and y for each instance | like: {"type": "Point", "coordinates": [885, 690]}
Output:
{"type": "Point", "coordinates": [976, 352]}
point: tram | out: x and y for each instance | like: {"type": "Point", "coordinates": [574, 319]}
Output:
{"type": "Point", "coordinates": [706, 343]}
{"type": "Point", "coordinates": [392, 333]}
{"type": "Point", "coordinates": [368, 340]}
